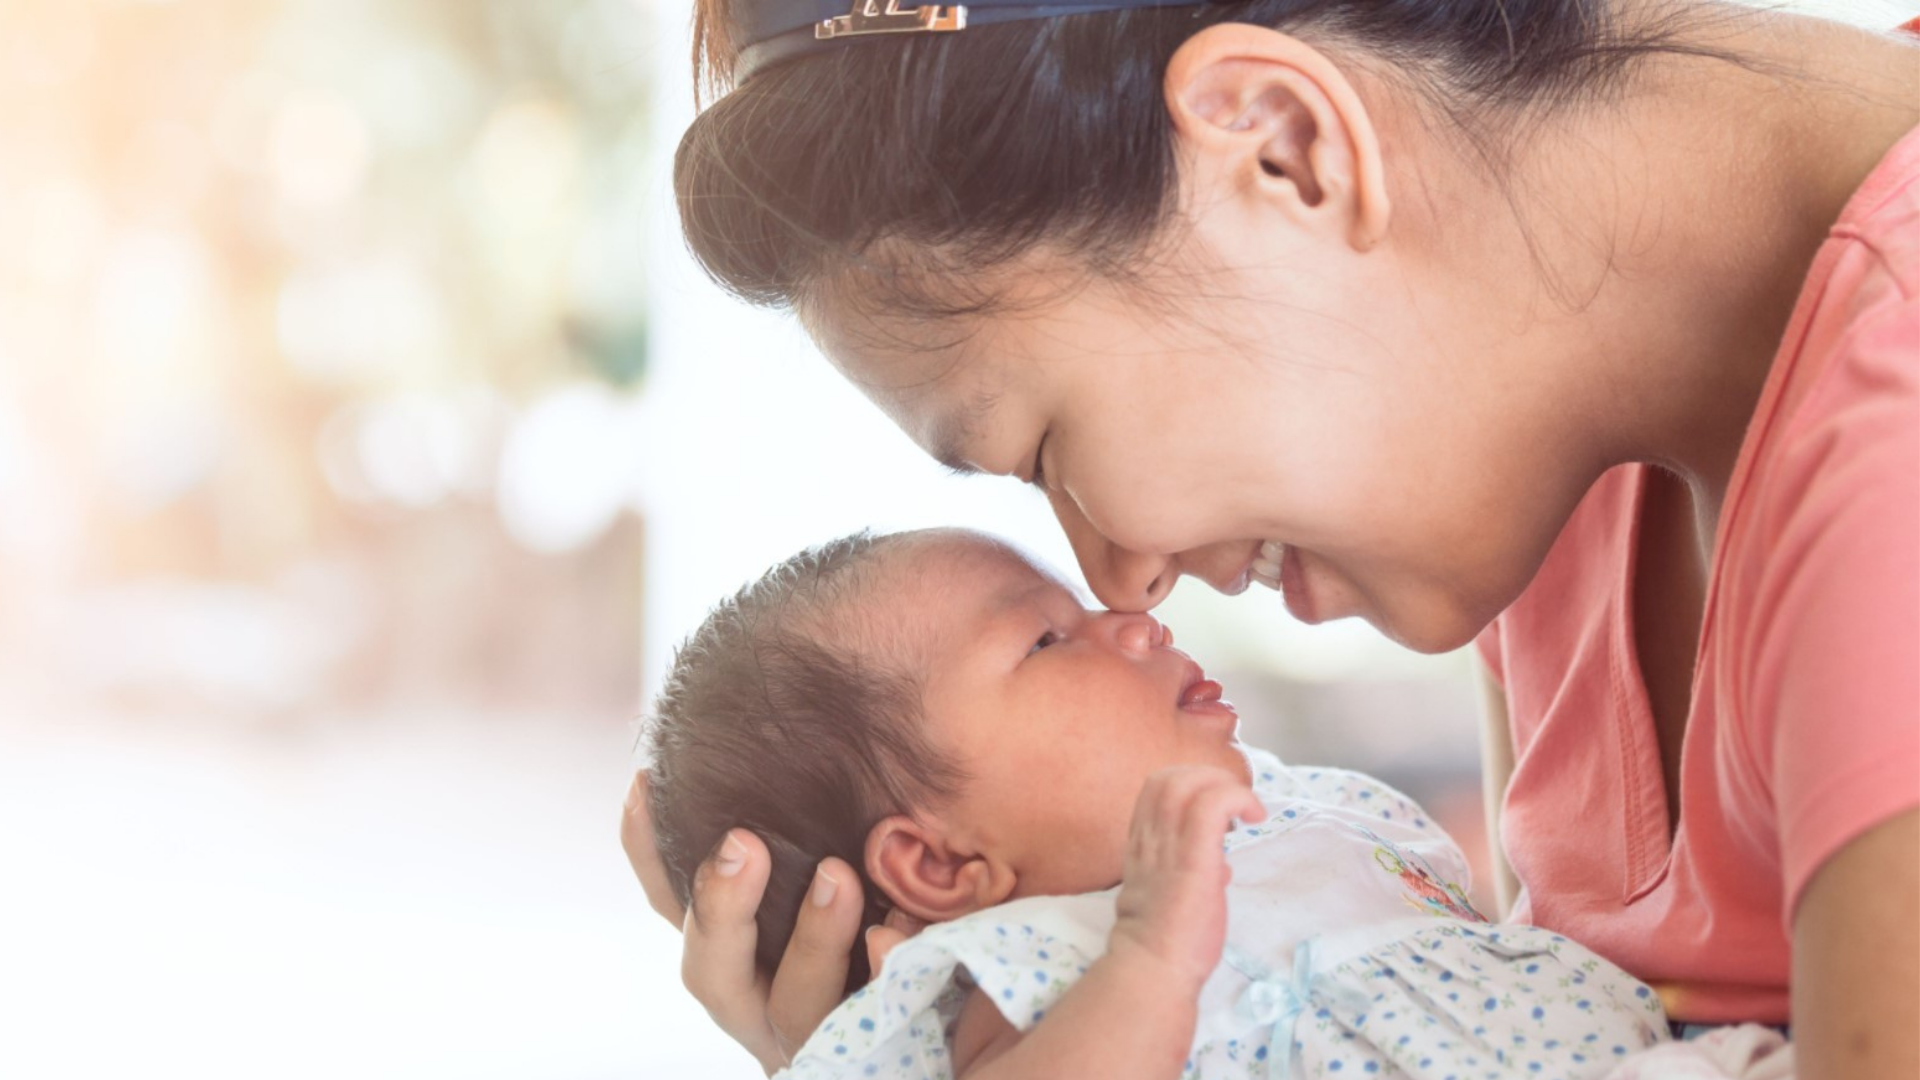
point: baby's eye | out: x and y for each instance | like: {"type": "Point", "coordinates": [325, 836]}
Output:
{"type": "Point", "coordinates": [1046, 639]}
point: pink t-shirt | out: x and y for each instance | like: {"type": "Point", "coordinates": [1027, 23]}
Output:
{"type": "Point", "coordinates": [1805, 722]}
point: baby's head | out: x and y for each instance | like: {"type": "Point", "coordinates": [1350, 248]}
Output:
{"type": "Point", "coordinates": [931, 707]}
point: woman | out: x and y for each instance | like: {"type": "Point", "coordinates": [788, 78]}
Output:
{"type": "Point", "coordinates": [1583, 329]}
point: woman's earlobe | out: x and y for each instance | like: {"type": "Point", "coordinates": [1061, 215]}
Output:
{"type": "Point", "coordinates": [923, 875]}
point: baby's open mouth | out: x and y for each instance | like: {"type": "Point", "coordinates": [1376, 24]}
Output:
{"type": "Point", "coordinates": [1206, 690]}
{"type": "Point", "coordinates": [1201, 694]}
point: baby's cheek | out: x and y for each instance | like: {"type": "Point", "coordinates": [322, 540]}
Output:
{"type": "Point", "coordinates": [1079, 855]}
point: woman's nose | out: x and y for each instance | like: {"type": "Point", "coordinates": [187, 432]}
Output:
{"type": "Point", "coordinates": [1123, 580]}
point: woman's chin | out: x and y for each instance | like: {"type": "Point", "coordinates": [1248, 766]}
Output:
{"type": "Point", "coordinates": [1430, 632]}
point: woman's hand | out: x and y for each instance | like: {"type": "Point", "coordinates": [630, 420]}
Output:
{"type": "Point", "coordinates": [770, 1017]}
{"type": "Point", "coordinates": [1173, 904]}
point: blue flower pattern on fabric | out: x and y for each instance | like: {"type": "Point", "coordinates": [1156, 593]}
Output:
{"type": "Point", "coordinates": [1438, 994]}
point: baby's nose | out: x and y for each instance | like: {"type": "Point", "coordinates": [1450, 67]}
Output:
{"type": "Point", "coordinates": [1137, 632]}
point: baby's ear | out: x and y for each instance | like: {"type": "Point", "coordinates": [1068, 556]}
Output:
{"type": "Point", "coordinates": [913, 863]}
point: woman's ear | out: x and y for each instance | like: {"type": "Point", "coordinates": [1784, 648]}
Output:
{"type": "Point", "coordinates": [913, 863]}
{"type": "Point", "coordinates": [1259, 113]}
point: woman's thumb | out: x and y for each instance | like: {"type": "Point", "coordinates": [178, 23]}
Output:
{"type": "Point", "coordinates": [881, 939]}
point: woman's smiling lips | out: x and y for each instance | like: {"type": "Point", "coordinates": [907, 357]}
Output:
{"type": "Point", "coordinates": [1277, 566]}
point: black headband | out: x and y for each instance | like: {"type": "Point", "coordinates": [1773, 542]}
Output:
{"type": "Point", "coordinates": [776, 31]}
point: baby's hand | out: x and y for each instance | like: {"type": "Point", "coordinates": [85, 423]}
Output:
{"type": "Point", "coordinates": [1173, 902]}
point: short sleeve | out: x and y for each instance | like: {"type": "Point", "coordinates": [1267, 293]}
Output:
{"type": "Point", "coordinates": [1023, 956]}
{"type": "Point", "coordinates": [1832, 706]}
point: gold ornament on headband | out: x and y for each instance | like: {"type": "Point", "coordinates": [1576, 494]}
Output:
{"type": "Point", "coordinates": [870, 17]}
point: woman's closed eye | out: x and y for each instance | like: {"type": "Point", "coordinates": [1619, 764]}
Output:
{"type": "Point", "coordinates": [1037, 476]}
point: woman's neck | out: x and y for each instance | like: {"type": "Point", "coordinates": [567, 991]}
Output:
{"type": "Point", "coordinates": [1695, 209]}
{"type": "Point", "coordinates": [1797, 135]}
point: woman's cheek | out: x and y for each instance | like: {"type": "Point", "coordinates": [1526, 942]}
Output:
{"type": "Point", "coordinates": [1147, 517]}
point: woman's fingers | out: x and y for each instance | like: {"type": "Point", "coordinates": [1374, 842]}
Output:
{"type": "Point", "coordinates": [636, 836]}
{"type": "Point", "coordinates": [896, 928]}
{"type": "Point", "coordinates": [902, 923]}
{"type": "Point", "coordinates": [813, 971]}
{"type": "Point", "coordinates": [717, 962]}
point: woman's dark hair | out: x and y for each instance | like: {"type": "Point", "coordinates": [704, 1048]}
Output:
{"type": "Point", "coordinates": [971, 148]}
{"type": "Point", "coordinates": [779, 715]}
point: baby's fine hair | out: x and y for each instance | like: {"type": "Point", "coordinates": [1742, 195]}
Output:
{"type": "Point", "coordinates": [781, 715]}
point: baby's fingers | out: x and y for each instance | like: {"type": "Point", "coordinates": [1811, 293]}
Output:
{"type": "Point", "coordinates": [1183, 812]}
{"type": "Point", "coordinates": [1215, 808]}
{"type": "Point", "coordinates": [1210, 813]}
{"type": "Point", "coordinates": [1164, 800]}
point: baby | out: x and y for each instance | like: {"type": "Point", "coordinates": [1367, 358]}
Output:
{"type": "Point", "coordinates": [1049, 787]}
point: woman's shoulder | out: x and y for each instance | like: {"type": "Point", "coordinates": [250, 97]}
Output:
{"type": "Point", "coordinates": [1833, 441]}
{"type": "Point", "coordinates": [1815, 616]}
{"type": "Point", "coordinates": [1854, 326]}
{"type": "Point", "coordinates": [1882, 215]}
{"type": "Point", "coordinates": [1836, 424]}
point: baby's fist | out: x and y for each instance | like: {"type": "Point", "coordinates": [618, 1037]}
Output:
{"type": "Point", "coordinates": [1173, 902]}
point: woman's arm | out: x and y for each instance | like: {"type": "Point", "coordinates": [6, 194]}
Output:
{"type": "Point", "coordinates": [1496, 769]}
{"type": "Point", "coordinates": [1856, 960]}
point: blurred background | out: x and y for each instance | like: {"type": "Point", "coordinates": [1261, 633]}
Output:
{"type": "Point", "coordinates": [367, 441]}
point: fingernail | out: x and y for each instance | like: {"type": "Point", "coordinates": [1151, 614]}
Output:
{"type": "Point", "coordinates": [733, 856]}
{"type": "Point", "coordinates": [823, 887]}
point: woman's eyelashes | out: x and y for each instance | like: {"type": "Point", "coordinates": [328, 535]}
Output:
{"type": "Point", "coordinates": [1037, 476]}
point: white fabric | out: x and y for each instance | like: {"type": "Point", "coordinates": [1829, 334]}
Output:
{"type": "Point", "coordinates": [1745, 1052]}
{"type": "Point", "coordinates": [1352, 951]}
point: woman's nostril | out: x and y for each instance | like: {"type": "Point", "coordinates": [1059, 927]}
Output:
{"type": "Point", "coordinates": [1162, 585]}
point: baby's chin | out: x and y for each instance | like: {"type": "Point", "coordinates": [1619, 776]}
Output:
{"type": "Point", "coordinates": [1239, 765]}
{"type": "Point", "coordinates": [1231, 756]}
